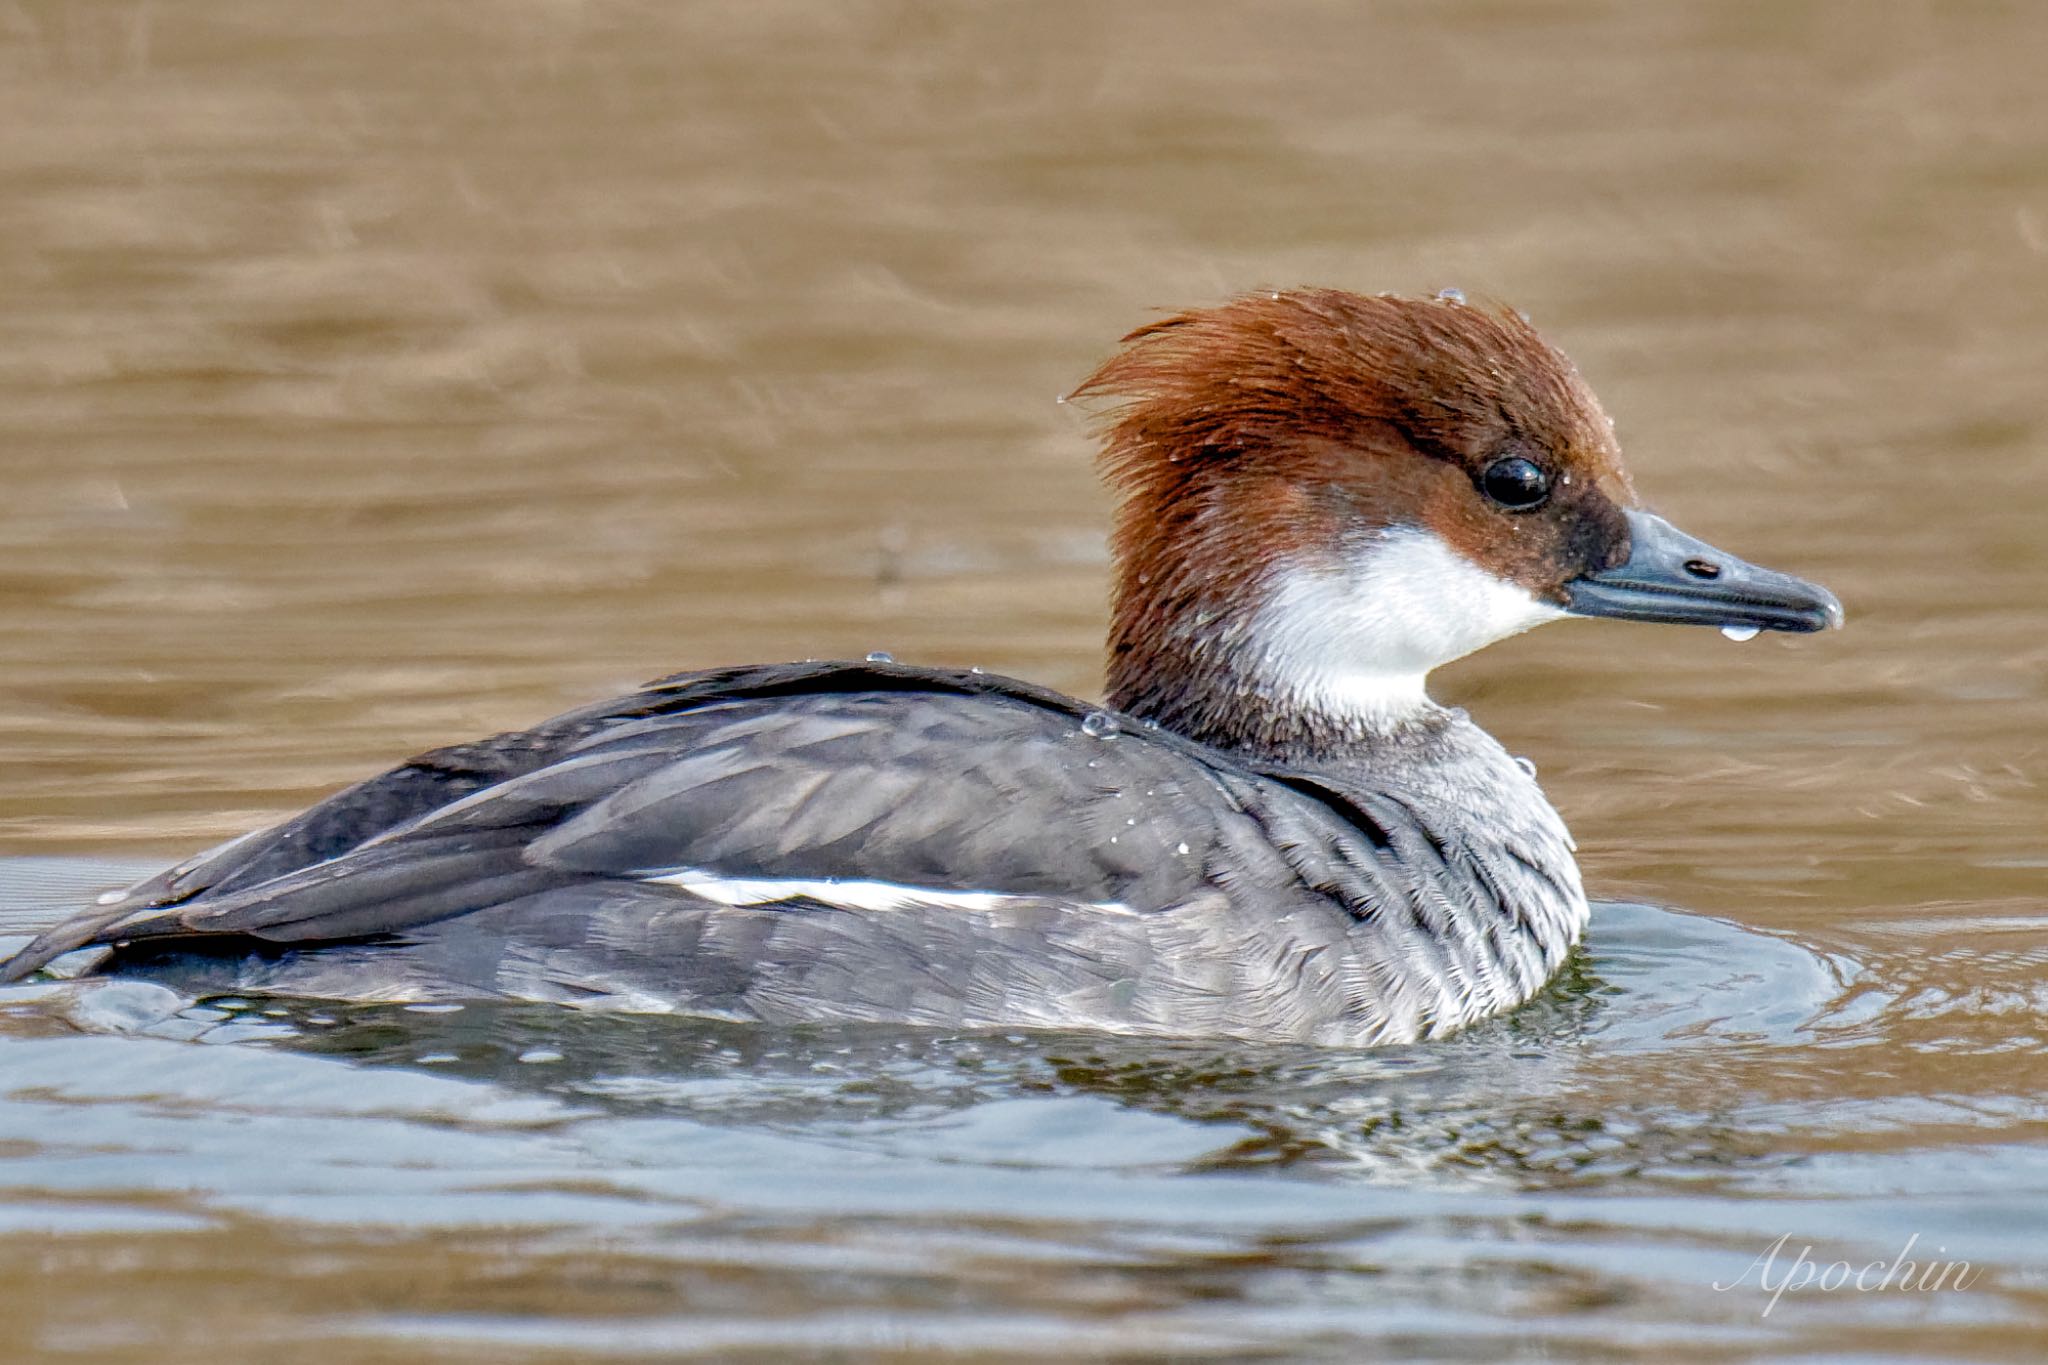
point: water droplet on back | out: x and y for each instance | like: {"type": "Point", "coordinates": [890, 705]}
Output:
{"type": "Point", "coordinates": [1740, 633]}
{"type": "Point", "coordinates": [881, 656]}
{"type": "Point", "coordinates": [1451, 295]}
{"type": "Point", "coordinates": [1100, 724]}
{"type": "Point", "coordinates": [1527, 765]}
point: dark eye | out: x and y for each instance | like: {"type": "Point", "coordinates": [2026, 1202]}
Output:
{"type": "Point", "coordinates": [1515, 482]}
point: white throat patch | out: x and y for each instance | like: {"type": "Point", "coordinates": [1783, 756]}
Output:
{"type": "Point", "coordinates": [1359, 639]}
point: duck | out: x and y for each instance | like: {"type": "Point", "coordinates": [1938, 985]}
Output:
{"type": "Point", "coordinates": [1266, 830]}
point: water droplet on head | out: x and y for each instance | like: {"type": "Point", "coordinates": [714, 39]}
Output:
{"type": "Point", "coordinates": [1451, 295]}
{"type": "Point", "coordinates": [881, 656]}
{"type": "Point", "coordinates": [1181, 848]}
{"type": "Point", "coordinates": [1527, 765]}
{"type": "Point", "coordinates": [1100, 724]}
{"type": "Point", "coordinates": [1740, 633]}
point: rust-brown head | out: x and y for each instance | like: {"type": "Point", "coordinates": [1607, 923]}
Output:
{"type": "Point", "coordinates": [1325, 496]}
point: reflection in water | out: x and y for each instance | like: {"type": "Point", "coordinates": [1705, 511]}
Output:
{"type": "Point", "coordinates": [1050, 1170]}
{"type": "Point", "coordinates": [1541, 1098]}
{"type": "Point", "coordinates": [1530, 1099]}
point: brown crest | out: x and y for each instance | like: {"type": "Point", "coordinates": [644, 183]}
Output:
{"type": "Point", "coordinates": [1279, 427]}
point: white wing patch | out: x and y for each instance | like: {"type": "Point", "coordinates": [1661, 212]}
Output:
{"type": "Point", "coordinates": [848, 894]}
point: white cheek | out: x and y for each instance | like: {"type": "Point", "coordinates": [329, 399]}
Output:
{"type": "Point", "coordinates": [1362, 636]}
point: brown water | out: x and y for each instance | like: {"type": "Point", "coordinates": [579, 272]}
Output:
{"type": "Point", "coordinates": [376, 375]}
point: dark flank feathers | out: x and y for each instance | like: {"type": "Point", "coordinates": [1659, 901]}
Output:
{"type": "Point", "coordinates": [521, 867]}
